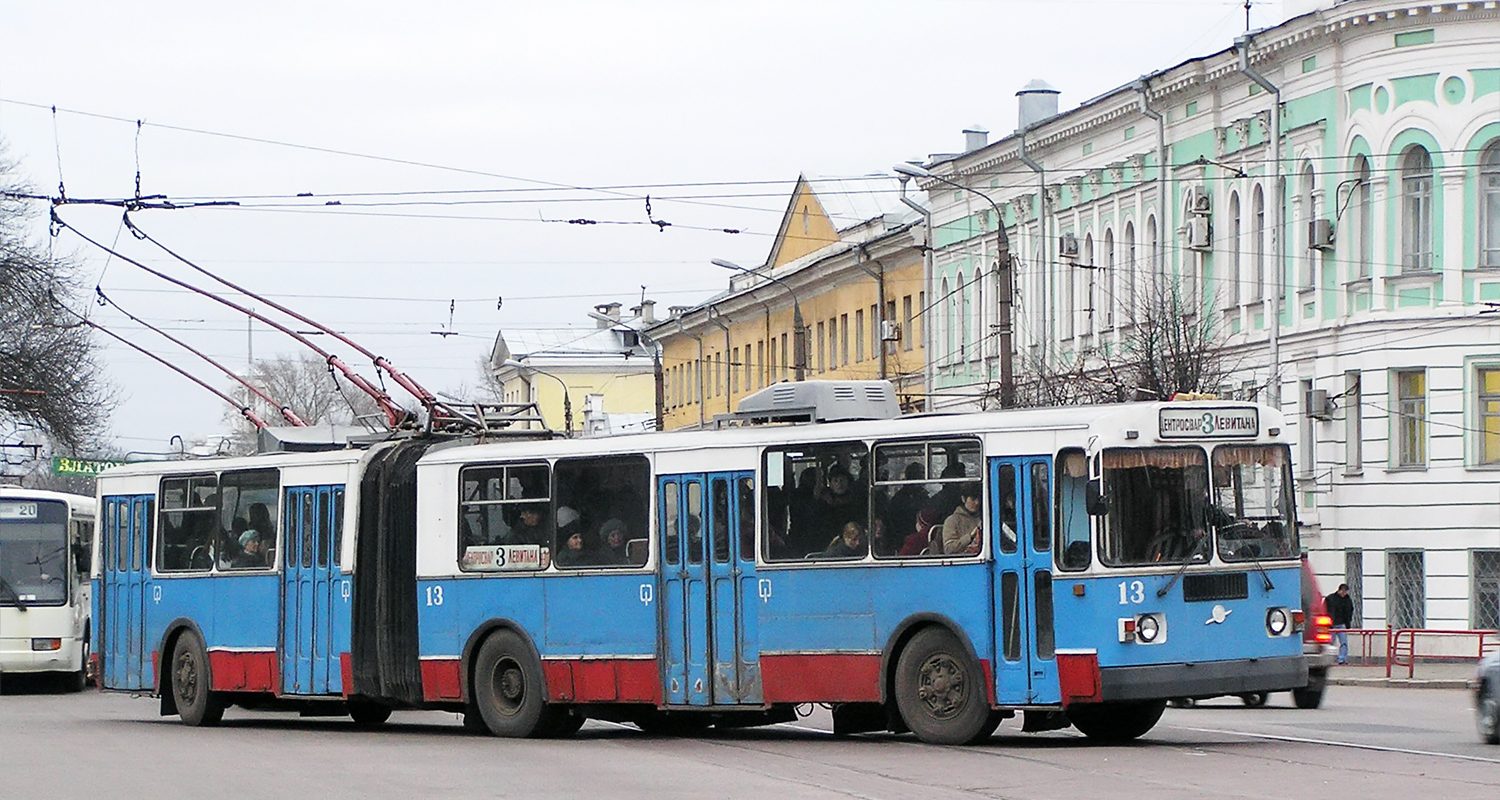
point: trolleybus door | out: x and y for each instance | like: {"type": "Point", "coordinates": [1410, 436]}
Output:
{"type": "Point", "coordinates": [309, 584]}
{"type": "Point", "coordinates": [708, 589]}
{"type": "Point", "coordinates": [731, 529]}
{"type": "Point", "coordinates": [127, 550]}
{"type": "Point", "coordinates": [1020, 521]}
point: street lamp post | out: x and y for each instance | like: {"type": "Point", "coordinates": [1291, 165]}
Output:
{"type": "Point", "coordinates": [1007, 292]}
{"type": "Point", "coordinates": [567, 402]}
{"type": "Point", "coordinates": [799, 330]}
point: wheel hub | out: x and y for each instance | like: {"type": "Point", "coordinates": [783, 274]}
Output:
{"type": "Point", "coordinates": [510, 685]}
{"type": "Point", "coordinates": [942, 686]}
{"type": "Point", "coordinates": [185, 678]}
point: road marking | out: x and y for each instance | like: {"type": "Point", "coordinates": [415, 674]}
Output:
{"type": "Point", "coordinates": [795, 726]}
{"type": "Point", "coordinates": [1337, 743]}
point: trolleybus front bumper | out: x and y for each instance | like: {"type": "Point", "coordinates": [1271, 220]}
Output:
{"type": "Point", "coordinates": [1202, 679]}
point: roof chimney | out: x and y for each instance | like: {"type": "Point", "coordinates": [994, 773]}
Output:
{"type": "Point", "coordinates": [975, 137]}
{"type": "Point", "coordinates": [610, 310]}
{"type": "Point", "coordinates": [1038, 101]}
{"type": "Point", "coordinates": [648, 311]}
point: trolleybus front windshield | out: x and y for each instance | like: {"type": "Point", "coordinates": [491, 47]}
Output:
{"type": "Point", "coordinates": [1252, 512]}
{"type": "Point", "coordinates": [33, 552]}
{"type": "Point", "coordinates": [1157, 502]}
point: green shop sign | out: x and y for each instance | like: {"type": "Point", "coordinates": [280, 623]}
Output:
{"type": "Point", "coordinates": [84, 467]}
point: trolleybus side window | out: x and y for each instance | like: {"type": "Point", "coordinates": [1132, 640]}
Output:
{"type": "Point", "coordinates": [746, 489]}
{"type": "Point", "coordinates": [1007, 510]}
{"type": "Point", "coordinates": [189, 521]}
{"type": "Point", "coordinates": [602, 511]}
{"type": "Point", "coordinates": [817, 502]}
{"type": "Point", "coordinates": [917, 489]}
{"type": "Point", "coordinates": [695, 522]}
{"type": "Point", "coordinates": [504, 517]}
{"type": "Point", "coordinates": [338, 526]}
{"type": "Point", "coordinates": [669, 501]}
{"type": "Point", "coordinates": [1157, 503]}
{"type": "Point", "coordinates": [722, 547]}
{"type": "Point", "coordinates": [248, 510]}
{"type": "Point", "coordinates": [1073, 522]}
{"type": "Point", "coordinates": [1041, 507]}
{"type": "Point", "coordinates": [1252, 511]}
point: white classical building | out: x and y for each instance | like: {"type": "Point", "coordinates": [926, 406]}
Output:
{"type": "Point", "coordinates": [1387, 237]}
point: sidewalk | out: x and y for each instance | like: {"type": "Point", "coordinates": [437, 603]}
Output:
{"type": "Point", "coordinates": [1427, 675]}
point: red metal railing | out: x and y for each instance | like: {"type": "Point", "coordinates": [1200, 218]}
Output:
{"type": "Point", "coordinates": [1401, 646]}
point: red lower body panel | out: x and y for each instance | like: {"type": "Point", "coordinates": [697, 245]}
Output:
{"type": "Point", "coordinates": [603, 680]}
{"type": "Point", "coordinates": [440, 680]}
{"type": "Point", "coordinates": [1078, 677]}
{"type": "Point", "coordinates": [243, 672]}
{"type": "Point", "coordinates": [820, 678]}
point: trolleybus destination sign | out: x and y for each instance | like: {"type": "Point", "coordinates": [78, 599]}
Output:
{"type": "Point", "coordinates": [1199, 423]}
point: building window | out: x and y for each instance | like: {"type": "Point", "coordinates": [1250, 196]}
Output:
{"type": "Point", "coordinates": [859, 336]}
{"type": "Point", "coordinates": [1307, 278]}
{"type": "Point", "coordinates": [1232, 279]}
{"type": "Point", "coordinates": [908, 333]}
{"type": "Point", "coordinates": [1091, 296]}
{"type": "Point", "coordinates": [843, 340]}
{"type": "Point", "coordinates": [1489, 415]}
{"type": "Point", "coordinates": [1128, 278]}
{"type": "Point", "coordinates": [794, 357]}
{"type": "Point", "coordinates": [1489, 207]}
{"type": "Point", "coordinates": [821, 351]}
{"type": "Point", "coordinates": [1353, 424]}
{"type": "Point", "coordinates": [1107, 318]}
{"type": "Point", "coordinates": [1258, 247]}
{"type": "Point", "coordinates": [760, 361]}
{"type": "Point", "coordinates": [1485, 567]}
{"type": "Point", "coordinates": [734, 373]}
{"type": "Point", "coordinates": [1354, 576]}
{"type": "Point", "coordinates": [833, 343]}
{"type": "Point", "coordinates": [1410, 418]}
{"type": "Point", "coordinates": [945, 328]}
{"type": "Point", "coordinates": [977, 313]}
{"type": "Point", "coordinates": [1307, 437]}
{"type": "Point", "coordinates": [1416, 210]}
{"type": "Point", "coordinates": [1406, 589]}
{"type": "Point", "coordinates": [1069, 297]}
{"type": "Point", "coordinates": [1364, 220]}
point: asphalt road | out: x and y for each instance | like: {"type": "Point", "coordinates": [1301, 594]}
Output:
{"type": "Point", "coordinates": [1364, 742]}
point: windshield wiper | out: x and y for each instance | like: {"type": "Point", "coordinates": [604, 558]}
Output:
{"type": "Point", "coordinates": [16, 596]}
{"type": "Point", "coordinates": [1265, 576]}
{"type": "Point", "coordinates": [1189, 561]}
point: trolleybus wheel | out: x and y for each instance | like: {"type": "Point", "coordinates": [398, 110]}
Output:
{"type": "Point", "coordinates": [1116, 722]}
{"type": "Point", "coordinates": [367, 714]}
{"type": "Point", "coordinates": [1308, 698]}
{"type": "Point", "coordinates": [197, 704]}
{"type": "Point", "coordinates": [1254, 699]}
{"type": "Point", "coordinates": [560, 723]}
{"type": "Point", "coordinates": [940, 691]}
{"type": "Point", "coordinates": [1487, 712]}
{"type": "Point", "coordinates": [508, 687]}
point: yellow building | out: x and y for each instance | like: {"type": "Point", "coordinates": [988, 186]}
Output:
{"type": "Point", "coordinates": [592, 381]}
{"type": "Point", "coordinates": [854, 268]}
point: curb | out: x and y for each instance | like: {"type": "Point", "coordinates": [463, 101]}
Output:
{"type": "Point", "coordinates": [1402, 683]}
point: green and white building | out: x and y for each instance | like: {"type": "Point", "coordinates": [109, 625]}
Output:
{"type": "Point", "coordinates": [1384, 236]}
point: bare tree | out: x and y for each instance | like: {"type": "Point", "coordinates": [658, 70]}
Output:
{"type": "Point", "coordinates": [1172, 347]}
{"type": "Point", "coordinates": [307, 386]}
{"type": "Point", "coordinates": [50, 377]}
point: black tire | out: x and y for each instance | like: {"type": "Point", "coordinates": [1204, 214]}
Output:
{"type": "Point", "coordinates": [367, 714]}
{"type": "Point", "coordinates": [1308, 698]}
{"type": "Point", "coordinates": [474, 722]}
{"type": "Point", "coordinates": [1182, 702]}
{"type": "Point", "coordinates": [1116, 722]}
{"type": "Point", "coordinates": [1487, 713]}
{"type": "Point", "coordinates": [1254, 699]}
{"type": "Point", "coordinates": [509, 688]}
{"type": "Point", "coordinates": [197, 704]}
{"type": "Point", "coordinates": [940, 691]}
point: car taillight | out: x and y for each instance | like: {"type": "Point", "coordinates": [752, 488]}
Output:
{"type": "Point", "coordinates": [1321, 628]}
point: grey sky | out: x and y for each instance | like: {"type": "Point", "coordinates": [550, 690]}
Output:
{"type": "Point", "coordinates": [576, 93]}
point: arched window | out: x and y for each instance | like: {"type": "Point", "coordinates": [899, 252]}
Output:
{"type": "Point", "coordinates": [1107, 280]}
{"type": "Point", "coordinates": [1489, 207]}
{"type": "Point", "coordinates": [1232, 270]}
{"type": "Point", "coordinates": [1068, 306]}
{"type": "Point", "coordinates": [1363, 217]}
{"type": "Point", "coordinates": [1154, 283]}
{"type": "Point", "coordinates": [1128, 280]}
{"type": "Point", "coordinates": [979, 331]}
{"type": "Point", "coordinates": [1258, 247]}
{"type": "Point", "coordinates": [1091, 298]}
{"type": "Point", "coordinates": [1416, 210]}
{"type": "Point", "coordinates": [1307, 278]}
{"type": "Point", "coordinates": [962, 321]}
{"type": "Point", "coordinates": [946, 300]}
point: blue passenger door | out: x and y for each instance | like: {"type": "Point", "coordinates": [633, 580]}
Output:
{"type": "Point", "coordinates": [1021, 537]}
{"type": "Point", "coordinates": [684, 591]}
{"type": "Point", "coordinates": [708, 589]}
{"type": "Point", "coordinates": [732, 598]}
{"type": "Point", "coordinates": [126, 560]}
{"type": "Point", "coordinates": [309, 578]}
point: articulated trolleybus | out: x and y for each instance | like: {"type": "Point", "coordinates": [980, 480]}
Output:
{"type": "Point", "coordinates": [44, 585]}
{"type": "Point", "coordinates": [932, 574]}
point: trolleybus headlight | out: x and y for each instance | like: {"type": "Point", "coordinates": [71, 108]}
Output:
{"type": "Point", "coordinates": [1147, 628]}
{"type": "Point", "coordinates": [1277, 622]}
